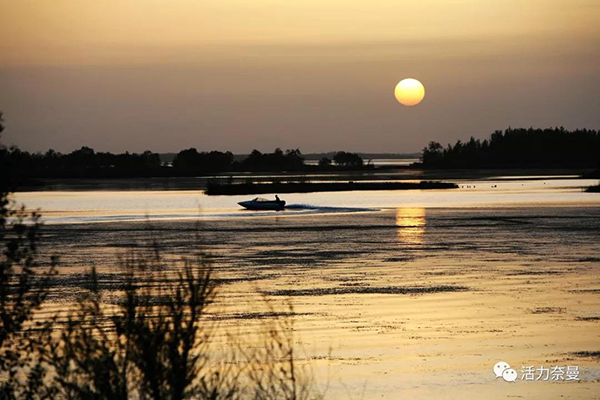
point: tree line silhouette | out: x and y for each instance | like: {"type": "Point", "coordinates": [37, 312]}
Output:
{"type": "Point", "coordinates": [511, 148]}
{"type": "Point", "coordinates": [86, 163]}
{"type": "Point", "coordinates": [520, 148]}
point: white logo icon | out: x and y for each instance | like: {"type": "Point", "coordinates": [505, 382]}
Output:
{"type": "Point", "coordinates": [509, 375]}
{"type": "Point", "coordinates": [499, 368]}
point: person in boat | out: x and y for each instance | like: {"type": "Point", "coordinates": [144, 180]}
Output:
{"type": "Point", "coordinates": [277, 199]}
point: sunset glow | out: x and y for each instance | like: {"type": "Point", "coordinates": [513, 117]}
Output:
{"type": "Point", "coordinates": [230, 74]}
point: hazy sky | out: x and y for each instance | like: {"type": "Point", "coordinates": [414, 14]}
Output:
{"type": "Point", "coordinates": [236, 75]}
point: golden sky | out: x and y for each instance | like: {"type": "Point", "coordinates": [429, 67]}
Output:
{"type": "Point", "coordinates": [319, 75]}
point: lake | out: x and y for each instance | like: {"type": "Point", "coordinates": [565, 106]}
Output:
{"type": "Point", "coordinates": [523, 253]}
{"type": "Point", "coordinates": [83, 206]}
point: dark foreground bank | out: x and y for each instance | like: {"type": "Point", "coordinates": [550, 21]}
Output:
{"type": "Point", "coordinates": [593, 189]}
{"type": "Point", "coordinates": [306, 187]}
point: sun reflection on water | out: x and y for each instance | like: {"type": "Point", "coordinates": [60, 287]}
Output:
{"type": "Point", "coordinates": [411, 225]}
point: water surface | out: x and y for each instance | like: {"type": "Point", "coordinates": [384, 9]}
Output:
{"type": "Point", "coordinates": [518, 261]}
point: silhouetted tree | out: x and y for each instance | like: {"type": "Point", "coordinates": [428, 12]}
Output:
{"type": "Point", "coordinates": [291, 160]}
{"type": "Point", "coordinates": [192, 161]}
{"type": "Point", "coordinates": [82, 163]}
{"type": "Point", "coordinates": [432, 153]}
{"type": "Point", "coordinates": [325, 162]}
{"type": "Point", "coordinates": [519, 148]}
{"type": "Point", "coordinates": [347, 159]}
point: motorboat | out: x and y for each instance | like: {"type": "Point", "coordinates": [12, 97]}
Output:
{"type": "Point", "coordinates": [263, 204]}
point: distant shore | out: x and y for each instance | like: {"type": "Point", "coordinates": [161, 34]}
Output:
{"type": "Point", "coordinates": [200, 182]}
{"type": "Point", "coordinates": [307, 187]}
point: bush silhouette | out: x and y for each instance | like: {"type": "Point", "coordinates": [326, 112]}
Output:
{"type": "Point", "coordinates": [154, 342]}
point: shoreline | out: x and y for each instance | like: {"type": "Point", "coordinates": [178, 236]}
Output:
{"type": "Point", "coordinates": [200, 182]}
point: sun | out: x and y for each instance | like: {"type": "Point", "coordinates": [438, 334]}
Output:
{"type": "Point", "coordinates": [409, 92]}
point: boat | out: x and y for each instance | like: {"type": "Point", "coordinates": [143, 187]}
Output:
{"type": "Point", "coordinates": [263, 204]}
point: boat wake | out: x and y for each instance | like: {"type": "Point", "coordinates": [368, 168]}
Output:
{"type": "Point", "coordinates": [326, 209]}
{"type": "Point", "coordinates": [289, 210]}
